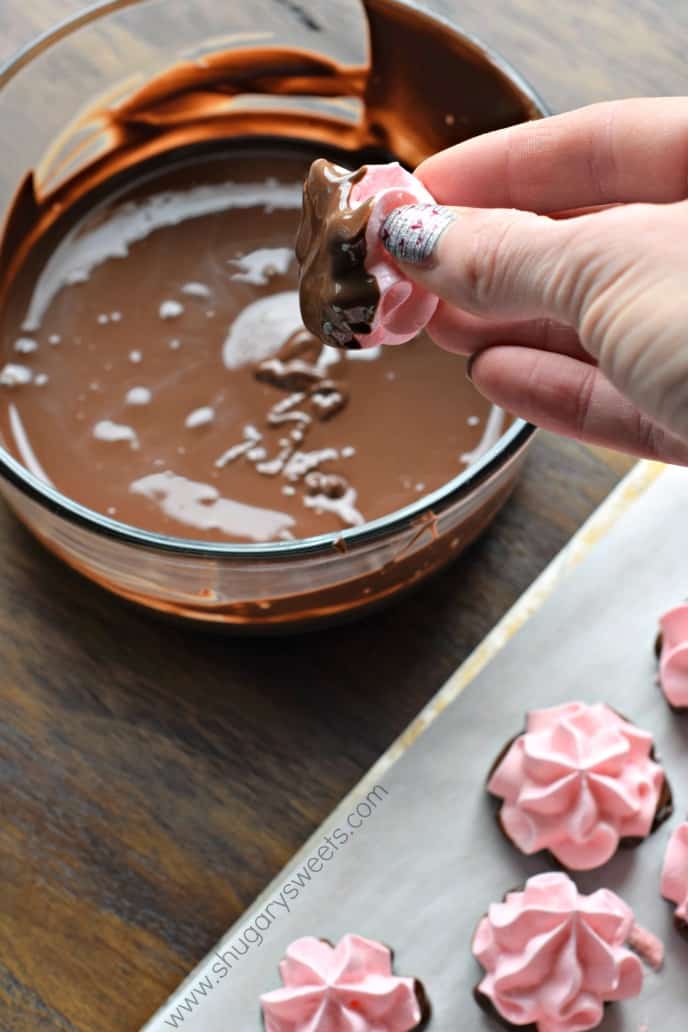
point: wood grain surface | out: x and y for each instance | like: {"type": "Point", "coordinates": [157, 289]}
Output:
{"type": "Point", "coordinates": [154, 780]}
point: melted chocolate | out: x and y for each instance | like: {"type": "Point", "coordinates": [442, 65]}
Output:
{"type": "Point", "coordinates": [124, 419]}
{"type": "Point", "coordinates": [424, 88]}
{"type": "Point", "coordinates": [338, 297]}
{"type": "Point", "coordinates": [173, 387]}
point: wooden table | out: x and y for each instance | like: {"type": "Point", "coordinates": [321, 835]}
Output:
{"type": "Point", "coordinates": [153, 781]}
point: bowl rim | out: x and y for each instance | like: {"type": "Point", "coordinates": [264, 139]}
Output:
{"type": "Point", "coordinates": [509, 444]}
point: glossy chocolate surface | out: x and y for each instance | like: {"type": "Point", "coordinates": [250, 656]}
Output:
{"type": "Point", "coordinates": [163, 378]}
{"type": "Point", "coordinates": [338, 297]}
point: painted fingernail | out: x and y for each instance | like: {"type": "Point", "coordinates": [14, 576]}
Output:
{"type": "Point", "coordinates": [411, 233]}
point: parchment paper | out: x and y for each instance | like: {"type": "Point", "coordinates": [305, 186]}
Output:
{"type": "Point", "coordinates": [428, 860]}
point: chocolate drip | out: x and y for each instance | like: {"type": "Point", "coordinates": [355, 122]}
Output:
{"type": "Point", "coordinates": [338, 298]}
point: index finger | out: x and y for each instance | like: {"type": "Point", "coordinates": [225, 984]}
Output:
{"type": "Point", "coordinates": [618, 151]}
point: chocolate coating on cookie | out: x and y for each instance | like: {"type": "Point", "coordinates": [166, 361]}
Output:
{"type": "Point", "coordinates": [338, 297]}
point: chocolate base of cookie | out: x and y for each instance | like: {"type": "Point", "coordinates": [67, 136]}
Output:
{"type": "Point", "coordinates": [486, 1004]}
{"type": "Point", "coordinates": [664, 810]}
{"type": "Point", "coordinates": [681, 926]}
{"type": "Point", "coordinates": [423, 1003]}
{"type": "Point", "coordinates": [418, 988]}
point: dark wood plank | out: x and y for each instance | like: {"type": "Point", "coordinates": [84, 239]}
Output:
{"type": "Point", "coordinates": [153, 782]}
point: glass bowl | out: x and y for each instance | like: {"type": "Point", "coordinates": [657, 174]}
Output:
{"type": "Point", "coordinates": [116, 48]}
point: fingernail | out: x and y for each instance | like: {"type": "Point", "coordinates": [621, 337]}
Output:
{"type": "Point", "coordinates": [411, 233]}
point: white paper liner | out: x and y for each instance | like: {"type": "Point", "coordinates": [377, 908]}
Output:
{"type": "Point", "coordinates": [427, 861]}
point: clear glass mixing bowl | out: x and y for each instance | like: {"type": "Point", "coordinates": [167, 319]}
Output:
{"type": "Point", "coordinates": [112, 50]}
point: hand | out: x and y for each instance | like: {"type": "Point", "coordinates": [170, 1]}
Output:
{"type": "Point", "coordinates": [574, 308]}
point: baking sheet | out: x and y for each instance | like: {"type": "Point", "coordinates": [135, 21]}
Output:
{"type": "Point", "coordinates": [428, 858]}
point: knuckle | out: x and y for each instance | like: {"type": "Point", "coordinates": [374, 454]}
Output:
{"type": "Point", "coordinates": [582, 401]}
{"type": "Point", "coordinates": [612, 275]}
{"type": "Point", "coordinates": [602, 163]}
{"type": "Point", "coordinates": [604, 314]}
{"type": "Point", "coordinates": [563, 282]}
{"type": "Point", "coordinates": [650, 438]}
{"type": "Point", "coordinates": [668, 381]}
{"type": "Point", "coordinates": [493, 256]}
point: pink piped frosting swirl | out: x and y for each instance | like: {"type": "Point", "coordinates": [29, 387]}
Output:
{"type": "Point", "coordinates": [345, 988]}
{"type": "Point", "coordinates": [578, 781]}
{"type": "Point", "coordinates": [404, 307]}
{"type": "Point", "coordinates": [673, 660]}
{"type": "Point", "coordinates": [554, 957]}
{"type": "Point", "coordinates": [675, 872]}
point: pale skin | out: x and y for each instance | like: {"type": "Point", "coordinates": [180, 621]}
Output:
{"type": "Point", "coordinates": [565, 274]}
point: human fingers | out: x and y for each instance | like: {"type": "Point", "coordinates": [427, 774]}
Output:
{"type": "Point", "coordinates": [465, 334]}
{"type": "Point", "coordinates": [627, 150]}
{"type": "Point", "coordinates": [570, 397]}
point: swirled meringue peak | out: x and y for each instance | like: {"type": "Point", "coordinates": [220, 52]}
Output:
{"type": "Point", "coordinates": [554, 957]}
{"type": "Point", "coordinates": [345, 988]}
{"type": "Point", "coordinates": [579, 781]}
{"type": "Point", "coordinates": [675, 874]}
{"type": "Point", "coordinates": [673, 659]}
{"type": "Point", "coordinates": [405, 308]}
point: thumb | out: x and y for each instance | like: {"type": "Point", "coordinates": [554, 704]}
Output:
{"type": "Point", "coordinates": [491, 261]}
{"type": "Point", "coordinates": [617, 277]}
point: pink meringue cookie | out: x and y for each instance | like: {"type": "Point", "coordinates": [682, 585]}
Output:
{"type": "Point", "coordinates": [673, 659]}
{"type": "Point", "coordinates": [554, 957]}
{"type": "Point", "coordinates": [579, 781]}
{"type": "Point", "coordinates": [345, 988]}
{"type": "Point", "coordinates": [351, 293]}
{"type": "Point", "coordinates": [404, 308]}
{"type": "Point", "coordinates": [674, 883]}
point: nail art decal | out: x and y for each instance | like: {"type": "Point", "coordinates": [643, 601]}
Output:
{"type": "Point", "coordinates": [411, 233]}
